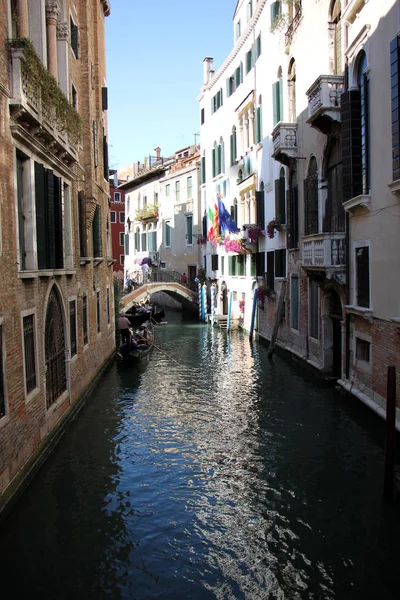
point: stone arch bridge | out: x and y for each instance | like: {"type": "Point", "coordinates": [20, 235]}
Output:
{"type": "Point", "coordinates": [182, 293]}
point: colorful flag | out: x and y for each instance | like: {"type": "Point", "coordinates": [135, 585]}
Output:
{"type": "Point", "coordinates": [225, 220]}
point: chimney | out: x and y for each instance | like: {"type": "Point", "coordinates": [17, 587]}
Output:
{"type": "Point", "coordinates": [208, 68]}
{"type": "Point", "coordinates": [158, 153]}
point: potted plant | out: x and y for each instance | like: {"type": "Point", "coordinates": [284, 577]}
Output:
{"type": "Point", "coordinates": [272, 226]}
{"type": "Point", "coordinates": [241, 305]}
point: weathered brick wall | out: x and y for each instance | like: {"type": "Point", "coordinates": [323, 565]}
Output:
{"type": "Point", "coordinates": [28, 423]}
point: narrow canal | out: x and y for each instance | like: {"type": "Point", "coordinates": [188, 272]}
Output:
{"type": "Point", "coordinates": [224, 476]}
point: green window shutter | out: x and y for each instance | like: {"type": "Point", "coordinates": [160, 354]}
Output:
{"type": "Point", "coordinates": [214, 163]}
{"type": "Point", "coordinates": [241, 72]}
{"type": "Point", "coordinates": [126, 244]}
{"type": "Point", "coordinates": [275, 102]}
{"type": "Point", "coordinates": [276, 188]}
{"type": "Point", "coordinates": [228, 92]}
{"type": "Point", "coordinates": [144, 242]}
{"type": "Point", "coordinates": [230, 266]}
{"type": "Point", "coordinates": [280, 99]}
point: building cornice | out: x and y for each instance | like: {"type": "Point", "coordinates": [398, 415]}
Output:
{"type": "Point", "coordinates": [236, 49]}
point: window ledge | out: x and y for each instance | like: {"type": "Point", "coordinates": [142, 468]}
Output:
{"type": "Point", "coordinates": [219, 176]}
{"type": "Point", "coordinates": [97, 261]}
{"type": "Point", "coordinates": [45, 273]}
{"type": "Point", "coordinates": [394, 187]}
{"type": "Point", "coordinates": [111, 261]}
{"type": "Point", "coordinates": [84, 260]}
{"type": "Point", "coordinates": [360, 311]}
{"type": "Point", "coordinates": [363, 202]}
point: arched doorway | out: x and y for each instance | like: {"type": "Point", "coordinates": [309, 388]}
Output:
{"type": "Point", "coordinates": [333, 333]}
{"type": "Point", "coordinates": [54, 347]}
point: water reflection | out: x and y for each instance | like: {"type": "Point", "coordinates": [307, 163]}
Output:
{"type": "Point", "coordinates": [221, 475]}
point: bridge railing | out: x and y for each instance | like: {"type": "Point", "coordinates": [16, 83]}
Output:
{"type": "Point", "coordinates": [170, 276]}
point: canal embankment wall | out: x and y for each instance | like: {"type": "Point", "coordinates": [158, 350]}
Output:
{"type": "Point", "coordinates": [372, 400]}
{"type": "Point", "coordinates": [25, 475]}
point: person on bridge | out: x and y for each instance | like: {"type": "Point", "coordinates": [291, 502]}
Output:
{"type": "Point", "coordinates": [184, 278]}
{"type": "Point", "coordinates": [145, 271]}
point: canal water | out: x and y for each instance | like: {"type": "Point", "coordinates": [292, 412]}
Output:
{"type": "Point", "coordinates": [221, 475]}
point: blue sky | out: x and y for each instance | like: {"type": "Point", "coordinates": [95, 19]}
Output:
{"type": "Point", "coordinates": [155, 55]}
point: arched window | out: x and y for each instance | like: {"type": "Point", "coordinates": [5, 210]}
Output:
{"type": "Point", "coordinates": [292, 90]}
{"type": "Point", "coordinates": [137, 239]}
{"type": "Point", "coordinates": [337, 37]}
{"type": "Point", "coordinates": [233, 146]}
{"type": "Point", "coordinates": [363, 85]}
{"type": "Point", "coordinates": [334, 212]}
{"type": "Point", "coordinates": [280, 198]}
{"type": "Point", "coordinates": [311, 221]}
{"type": "Point", "coordinates": [56, 378]}
{"type": "Point", "coordinates": [221, 152]}
{"type": "Point", "coordinates": [234, 210]}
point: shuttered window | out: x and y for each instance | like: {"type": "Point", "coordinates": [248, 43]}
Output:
{"type": "Point", "coordinates": [311, 224]}
{"type": "Point", "coordinates": [72, 327]}
{"type": "Point", "coordinates": [97, 233]}
{"type": "Point", "coordinates": [350, 109]}
{"type": "Point", "coordinates": [362, 276]}
{"type": "Point", "coordinates": [241, 265]}
{"type": "Point", "coordinates": [105, 157]}
{"type": "Point", "coordinates": [29, 352]}
{"type": "Point", "coordinates": [260, 207]}
{"type": "Point", "coordinates": [82, 225]}
{"type": "Point", "coordinates": [233, 144]}
{"type": "Point", "coordinates": [144, 242]}
{"type": "Point", "coordinates": [153, 241]}
{"type": "Point", "coordinates": [21, 216]}
{"type": "Point", "coordinates": [395, 86]}
{"type": "Point", "coordinates": [280, 263]}
{"type": "Point", "coordinates": [189, 230]}
{"type": "Point", "coordinates": [49, 226]}
{"type": "Point", "coordinates": [292, 217]}
{"type": "Point", "coordinates": [104, 98]}
{"type": "Point", "coordinates": [74, 38]}
{"type": "Point", "coordinates": [280, 198]}
{"type": "Point", "coordinates": [214, 262]}
{"type": "Point", "coordinates": [168, 234]}
{"type": "Point", "coordinates": [277, 99]}
{"type": "Point", "coordinates": [258, 118]}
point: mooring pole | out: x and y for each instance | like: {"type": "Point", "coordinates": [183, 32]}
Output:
{"type": "Point", "coordinates": [390, 432]}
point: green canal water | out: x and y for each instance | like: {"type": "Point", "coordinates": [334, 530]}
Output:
{"type": "Point", "coordinates": [223, 476]}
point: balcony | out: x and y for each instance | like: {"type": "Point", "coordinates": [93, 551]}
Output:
{"type": "Point", "coordinates": [293, 25]}
{"type": "Point", "coordinates": [285, 142]}
{"type": "Point", "coordinates": [324, 102]}
{"type": "Point", "coordinates": [324, 252]}
{"type": "Point", "coordinates": [42, 114]}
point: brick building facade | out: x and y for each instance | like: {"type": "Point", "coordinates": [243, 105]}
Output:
{"type": "Point", "coordinates": [56, 300]}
